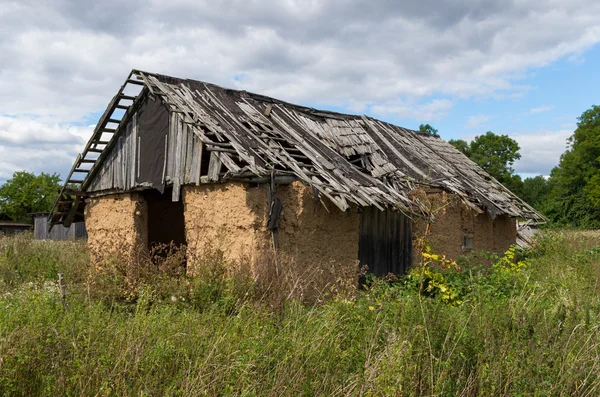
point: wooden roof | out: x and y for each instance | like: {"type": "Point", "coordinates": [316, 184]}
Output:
{"type": "Point", "coordinates": [350, 159]}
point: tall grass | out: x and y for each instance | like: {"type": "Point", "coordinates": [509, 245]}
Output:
{"type": "Point", "coordinates": [509, 330]}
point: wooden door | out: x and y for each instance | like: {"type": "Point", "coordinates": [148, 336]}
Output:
{"type": "Point", "coordinates": [385, 241]}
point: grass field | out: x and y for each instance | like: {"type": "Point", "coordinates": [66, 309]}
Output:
{"type": "Point", "coordinates": [527, 325]}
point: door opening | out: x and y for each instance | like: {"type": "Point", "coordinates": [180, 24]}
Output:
{"type": "Point", "coordinates": [166, 227]}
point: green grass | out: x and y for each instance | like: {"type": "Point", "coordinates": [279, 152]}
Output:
{"type": "Point", "coordinates": [531, 328]}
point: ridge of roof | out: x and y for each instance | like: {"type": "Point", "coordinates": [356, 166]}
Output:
{"type": "Point", "coordinates": [268, 99]}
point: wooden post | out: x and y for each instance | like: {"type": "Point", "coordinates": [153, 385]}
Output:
{"type": "Point", "coordinates": [61, 287]}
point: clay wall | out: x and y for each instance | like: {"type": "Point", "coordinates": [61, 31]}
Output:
{"type": "Point", "coordinates": [315, 248]}
{"type": "Point", "coordinates": [116, 225]}
{"type": "Point", "coordinates": [453, 221]}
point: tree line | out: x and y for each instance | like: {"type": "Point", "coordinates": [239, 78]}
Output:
{"type": "Point", "coordinates": [570, 196]}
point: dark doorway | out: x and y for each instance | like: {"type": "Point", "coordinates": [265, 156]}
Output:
{"type": "Point", "coordinates": [166, 226]}
{"type": "Point", "coordinates": [385, 241]}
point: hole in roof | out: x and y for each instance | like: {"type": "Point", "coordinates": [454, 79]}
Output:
{"type": "Point", "coordinates": [205, 161]}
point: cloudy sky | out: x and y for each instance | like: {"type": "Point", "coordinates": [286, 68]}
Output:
{"type": "Point", "coordinates": [525, 68]}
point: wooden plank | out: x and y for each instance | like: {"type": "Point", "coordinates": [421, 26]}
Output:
{"type": "Point", "coordinates": [194, 156]}
{"type": "Point", "coordinates": [189, 154]}
{"type": "Point", "coordinates": [110, 164]}
{"type": "Point", "coordinates": [68, 220]}
{"type": "Point", "coordinates": [128, 158]}
{"type": "Point", "coordinates": [134, 149]}
{"type": "Point", "coordinates": [183, 159]}
{"type": "Point", "coordinates": [214, 167]}
{"type": "Point", "coordinates": [166, 150]}
{"type": "Point", "coordinates": [117, 162]}
{"type": "Point", "coordinates": [172, 147]}
{"type": "Point", "coordinates": [198, 165]}
{"type": "Point", "coordinates": [221, 150]}
{"type": "Point", "coordinates": [124, 164]}
{"type": "Point", "coordinates": [178, 153]}
{"type": "Point", "coordinates": [138, 159]}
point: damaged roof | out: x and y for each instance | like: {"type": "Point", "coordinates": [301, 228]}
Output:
{"type": "Point", "coordinates": [350, 159]}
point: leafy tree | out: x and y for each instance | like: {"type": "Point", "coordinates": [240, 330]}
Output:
{"type": "Point", "coordinates": [461, 145]}
{"type": "Point", "coordinates": [575, 194]}
{"type": "Point", "coordinates": [25, 193]}
{"type": "Point", "coordinates": [535, 191]}
{"type": "Point", "coordinates": [495, 154]}
{"type": "Point", "coordinates": [514, 183]}
{"type": "Point", "coordinates": [427, 129]}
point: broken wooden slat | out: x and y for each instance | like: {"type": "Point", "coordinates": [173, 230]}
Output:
{"type": "Point", "coordinates": [214, 167]}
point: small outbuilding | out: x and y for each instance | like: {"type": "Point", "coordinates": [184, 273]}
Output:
{"type": "Point", "coordinates": [276, 185]}
{"type": "Point", "coordinates": [41, 230]}
{"type": "Point", "coordinates": [10, 227]}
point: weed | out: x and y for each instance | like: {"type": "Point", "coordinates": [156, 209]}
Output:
{"type": "Point", "coordinates": [528, 324]}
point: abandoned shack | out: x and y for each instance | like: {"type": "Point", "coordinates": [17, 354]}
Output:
{"type": "Point", "coordinates": [10, 227]}
{"type": "Point", "coordinates": [275, 183]}
{"type": "Point", "coordinates": [41, 231]}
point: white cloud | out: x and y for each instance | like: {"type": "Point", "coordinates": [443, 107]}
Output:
{"type": "Point", "coordinates": [541, 109]}
{"type": "Point", "coordinates": [432, 110]}
{"type": "Point", "coordinates": [540, 151]}
{"type": "Point", "coordinates": [62, 61]}
{"type": "Point", "coordinates": [25, 131]}
{"type": "Point", "coordinates": [30, 145]}
{"type": "Point", "coordinates": [476, 121]}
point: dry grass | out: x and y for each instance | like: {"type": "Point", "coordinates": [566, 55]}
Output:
{"type": "Point", "coordinates": [534, 331]}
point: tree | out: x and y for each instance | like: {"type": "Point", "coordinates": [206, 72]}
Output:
{"type": "Point", "coordinates": [427, 129]}
{"type": "Point", "coordinates": [461, 145]}
{"type": "Point", "coordinates": [514, 183]}
{"type": "Point", "coordinates": [25, 193]}
{"type": "Point", "coordinates": [575, 194]}
{"type": "Point", "coordinates": [535, 191]}
{"type": "Point", "coordinates": [495, 154]}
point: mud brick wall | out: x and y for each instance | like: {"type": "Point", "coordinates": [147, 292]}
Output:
{"type": "Point", "coordinates": [315, 247]}
{"type": "Point", "coordinates": [117, 226]}
{"type": "Point", "coordinates": [453, 221]}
